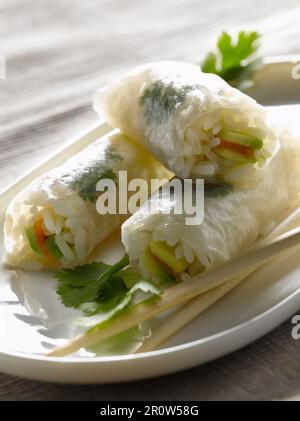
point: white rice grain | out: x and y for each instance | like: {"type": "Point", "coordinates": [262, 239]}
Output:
{"type": "Point", "coordinates": [188, 253]}
{"type": "Point", "coordinates": [205, 149]}
{"type": "Point", "coordinates": [179, 252]}
{"type": "Point", "coordinates": [64, 247]}
{"type": "Point", "coordinates": [189, 163]}
{"type": "Point", "coordinates": [59, 223]}
{"type": "Point", "coordinates": [69, 237]}
{"type": "Point", "coordinates": [203, 135]}
{"type": "Point", "coordinates": [216, 128]}
{"type": "Point", "coordinates": [205, 169]}
{"type": "Point", "coordinates": [215, 141]}
{"type": "Point", "coordinates": [171, 241]}
{"type": "Point", "coordinates": [49, 221]}
{"type": "Point", "coordinates": [187, 150]}
{"type": "Point", "coordinates": [185, 277]}
{"type": "Point", "coordinates": [191, 135]}
{"type": "Point", "coordinates": [213, 157]}
{"type": "Point", "coordinates": [210, 120]}
{"type": "Point", "coordinates": [79, 243]}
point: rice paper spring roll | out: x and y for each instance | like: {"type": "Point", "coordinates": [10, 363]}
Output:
{"type": "Point", "coordinates": [54, 221]}
{"type": "Point", "coordinates": [194, 123]}
{"type": "Point", "coordinates": [161, 245]}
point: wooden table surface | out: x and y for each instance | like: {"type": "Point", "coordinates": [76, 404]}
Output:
{"type": "Point", "coordinates": [57, 53]}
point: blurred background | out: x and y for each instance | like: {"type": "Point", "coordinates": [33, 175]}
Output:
{"type": "Point", "coordinates": [59, 51]}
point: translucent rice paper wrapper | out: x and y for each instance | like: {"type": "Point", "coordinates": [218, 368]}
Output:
{"type": "Point", "coordinates": [65, 200]}
{"type": "Point", "coordinates": [176, 111]}
{"type": "Point", "coordinates": [233, 219]}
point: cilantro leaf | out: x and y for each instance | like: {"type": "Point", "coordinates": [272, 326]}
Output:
{"type": "Point", "coordinates": [100, 290]}
{"type": "Point", "coordinates": [217, 189]}
{"type": "Point", "coordinates": [112, 293]}
{"type": "Point", "coordinates": [233, 61]}
{"type": "Point", "coordinates": [160, 100]}
{"type": "Point", "coordinates": [85, 183]}
{"type": "Point", "coordinates": [112, 155]}
{"type": "Point", "coordinates": [80, 275]}
{"type": "Point", "coordinates": [94, 282]}
{"type": "Point", "coordinates": [97, 320]}
{"type": "Point", "coordinates": [209, 64]}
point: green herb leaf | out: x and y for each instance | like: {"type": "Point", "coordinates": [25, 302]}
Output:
{"type": "Point", "coordinates": [145, 287]}
{"type": "Point", "coordinates": [160, 100]}
{"type": "Point", "coordinates": [85, 183]}
{"type": "Point", "coordinates": [112, 155]}
{"type": "Point", "coordinates": [209, 64]}
{"type": "Point", "coordinates": [96, 282]}
{"type": "Point", "coordinates": [100, 290]}
{"type": "Point", "coordinates": [112, 292]}
{"type": "Point", "coordinates": [81, 275]}
{"type": "Point", "coordinates": [217, 189]}
{"type": "Point", "coordinates": [232, 61]}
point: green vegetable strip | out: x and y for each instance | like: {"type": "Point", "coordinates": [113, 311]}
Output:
{"type": "Point", "coordinates": [32, 240]}
{"type": "Point", "coordinates": [49, 242]}
{"type": "Point", "coordinates": [53, 247]}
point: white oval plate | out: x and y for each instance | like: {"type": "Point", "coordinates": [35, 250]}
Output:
{"type": "Point", "coordinates": [32, 319]}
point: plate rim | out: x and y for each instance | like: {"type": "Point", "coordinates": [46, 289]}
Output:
{"type": "Point", "coordinates": [155, 353]}
{"type": "Point", "coordinates": [27, 357]}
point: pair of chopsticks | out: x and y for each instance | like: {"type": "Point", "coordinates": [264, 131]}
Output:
{"type": "Point", "coordinates": [199, 304]}
{"type": "Point", "coordinates": [200, 291]}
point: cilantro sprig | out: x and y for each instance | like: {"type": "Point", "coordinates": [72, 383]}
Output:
{"type": "Point", "coordinates": [98, 287]}
{"type": "Point", "coordinates": [96, 283]}
{"type": "Point", "coordinates": [233, 61]}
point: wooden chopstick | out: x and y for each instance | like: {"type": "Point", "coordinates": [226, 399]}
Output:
{"type": "Point", "coordinates": [189, 312]}
{"type": "Point", "coordinates": [181, 293]}
{"type": "Point", "coordinates": [192, 309]}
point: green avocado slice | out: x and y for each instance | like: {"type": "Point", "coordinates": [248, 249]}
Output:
{"type": "Point", "coordinates": [153, 266]}
{"type": "Point", "coordinates": [32, 240]}
{"type": "Point", "coordinates": [241, 139]}
{"type": "Point", "coordinates": [53, 247]}
{"type": "Point", "coordinates": [166, 254]}
{"type": "Point", "coordinates": [234, 156]}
